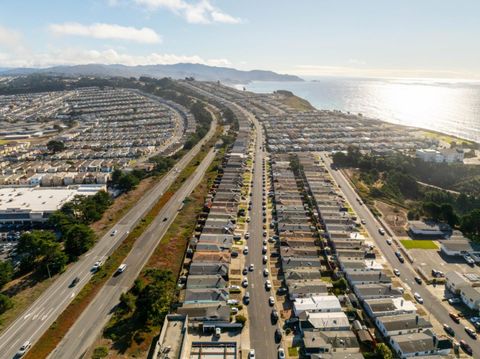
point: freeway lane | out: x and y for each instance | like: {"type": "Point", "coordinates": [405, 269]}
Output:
{"type": "Point", "coordinates": [432, 303]}
{"type": "Point", "coordinates": [43, 312]}
{"type": "Point", "coordinates": [90, 324]}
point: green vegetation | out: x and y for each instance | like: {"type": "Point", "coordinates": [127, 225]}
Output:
{"type": "Point", "coordinates": [340, 286]}
{"type": "Point", "coordinates": [418, 244]}
{"type": "Point", "coordinates": [55, 146]}
{"type": "Point", "coordinates": [394, 179]}
{"type": "Point", "coordinates": [289, 99]}
{"type": "Point", "coordinates": [100, 352]}
{"type": "Point", "coordinates": [6, 272]}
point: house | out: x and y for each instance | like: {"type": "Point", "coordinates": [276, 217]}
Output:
{"type": "Point", "coordinates": [455, 281]}
{"type": "Point", "coordinates": [388, 306]}
{"type": "Point", "coordinates": [320, 342]}
{"type": "Point", "coordinates": [369, 277]}
{"type": "Point", "coordinates": [334, 321]}
{"type": "Point", "coordinates": [205, 295]}
{"type": "Point", "coordinates": [430, 230]}
{"type": "Point", "coordinates": [458, 247]}
{"type": "Point", "coordinates": [205, 281]}
{"type": "Point", "coordinates": [470, 297]}
{"type": "Point", "coordinates": [375, 291]}
{"type": "Point", "coordinates": [211, 312]}
{"type": "Point", "coordinates": [205, 268]}
{"type": "Point", "coordinates": [320, 303]}
{"type": "Point", "coordinates": [420, 344]}
{"type": "Point", "coordinates": [391, 325]}
{"type": "Point", "coordinates": [306, 288]}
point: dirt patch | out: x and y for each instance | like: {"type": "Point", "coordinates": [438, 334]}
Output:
{"type": "Point", "coordinates": [395, 217]}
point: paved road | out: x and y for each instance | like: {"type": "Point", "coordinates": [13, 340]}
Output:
{"type": "Point", "coordinates": [262, 331]}
{"type": "Point", "coordinates": [31, 324]}
{"type": "Point", "coordinates": [90, 324]}
{"type": "Point", "coordinates": [407, 273]}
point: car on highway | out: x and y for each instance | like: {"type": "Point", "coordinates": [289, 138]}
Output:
{"type": "Point", "coordinates": [455, 300]}
{"type": "Point", "coordinates": [251, 267]}
{"type": "Point", "coordinates": [245, 282]}
{"type": "Point", "coordinates": [121, 268]}
{"type": "Point", "coordinates": [23, 349]}
{"type": "Point", "coordinates": [165, 219]}
{"type": "Point", "coordinates": [271, 301]}
{"type": "Point", "coordinates": [471, 332]}
{"type": "Point", "coordinates": [265, 272]}
{"type": "Point", "coordinates": [96, 266]}
{"type": "Point", "coordinates": [397, 272]}
{"type": "Point", "coordinates": [114, 232]}
{"type": "Point", "coordinates": [466, 347]}
{"type": "Point", "coordinates": [454, 317]}
{"type": "Point", "coordinates": [389, 241]}
{"type": "Point", "coordinates": [418, 297]}
{"type": "Point", "coordinates": [381, 231]}
{"type": "Point", "coordinates": [418, 280]}
{"type": "Point", "coordinates": [268, 285]}
{"type": "Point", "coordinates": [74, 282]}
{"type": "Point", "coordinates": [281, 353]}
{"type": "Point", "coordinates": [448, 329]}
{"type": "Point", "coordinates": [251, 354]}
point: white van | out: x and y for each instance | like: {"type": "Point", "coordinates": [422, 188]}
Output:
{"type": "Point", "coordinates": [121, 268]}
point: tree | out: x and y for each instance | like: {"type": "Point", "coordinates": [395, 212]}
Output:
{"type": "Point", "coordinates": [5, 303]}
{"type": "Point", "coordinates": [33, 247]}
{"type": "Point", "coordinates": [448, 214]}
{"type": "Point", "coordinates": [55, 146]}
{"type": "Point", "coordinates": [470, 224]}
{"type": "Point", "coordinates": [78, 239]}
{"type": "Point", "coordinates": [383, 351]}
{"type": "Point", "coordinates": [128, 182]}
{"type": "Point", "coordinates": [239, 318]}
{"type": "Point", "coordinates": [6, 273]}
{"type": "Point", "coordinates": [432, 210]}
{"type": "Point", "coordinates": [54, 262]}
{"type": "Point", "coordinates": [116, 175]}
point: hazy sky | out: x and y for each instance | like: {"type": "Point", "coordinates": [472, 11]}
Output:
{"type": "Point", "coordinates": [407, 38]}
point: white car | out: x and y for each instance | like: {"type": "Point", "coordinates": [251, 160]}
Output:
{"type": "Point", "coordinates": [363, 221]}
{"type": "Point", "coordinates": [251, 354]}
{"type": "Point", "coordinates": [268, 285]}
{"type": "Point", "coordinates": [397, 272]}
{"type": "Point", "coordinates": [381, 231]}
{"type": "Point", "coordinates": [251, 267]}
{"type": "Point", "coordinates": [114, 232]}
{"type": "Point", "coordinates": [247, 235]}
{"type": "Point", "coordinates": [265, 272]}
{"type": "Point", "coordinates": [389, 241]}
{"type": "Point", "coordinates": [418, 297]}
{"type": "Point", "coordinates": [281, 353]}
{"type": "Point", "coordinates": [264, 259]}
{"type": "Point", "coordinates": [245, 250]}
{"type": "Point", "coordinates": [96, 266]}
{"type": "Point", "coordinates": [121, 268]}
{"type": "Point", "coordinates": [23, 349]}
{"type": "Point", "coordinates": [264, 242]}
{"type": "Point", "coordinates": [245, 282]}
{"type": "Point", "coordinates": [271, 301]}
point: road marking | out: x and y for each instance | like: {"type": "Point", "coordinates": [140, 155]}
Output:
{"type": "Point", "coordinates": [72, 295]}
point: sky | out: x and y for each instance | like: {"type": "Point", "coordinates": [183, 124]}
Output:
{"type": "Point", "coordinates": [369, 38]}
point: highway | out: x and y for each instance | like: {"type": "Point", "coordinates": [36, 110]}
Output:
{"type": "Point", "coordinates": [31, 324]}
{"type": "Point", "coordinates": [262, 331]}
{"type": "Point", "coordinates": [407, 273]}
{"type": "Point", "coordinates": [90, 324]}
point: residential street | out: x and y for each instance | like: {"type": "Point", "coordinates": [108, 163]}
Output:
{"type": "Point", "coordinates": [432, 304]}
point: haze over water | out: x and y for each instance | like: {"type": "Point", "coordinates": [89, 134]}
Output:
{"type": "Point", "coordinates": [444, 106]}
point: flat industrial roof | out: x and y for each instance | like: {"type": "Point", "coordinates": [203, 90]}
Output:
{"type": "Point", "coordinates": [40, 199]}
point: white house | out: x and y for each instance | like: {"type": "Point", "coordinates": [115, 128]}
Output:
{"type": "Point", "coordinates": [420, 344]}
{"type": "Point", "coordinates": [320, 303]}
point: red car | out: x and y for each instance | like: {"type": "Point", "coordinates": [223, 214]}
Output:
{"type": "Point", "coordinates": [466, 348]}
{"type": "Point", "coordinates": [454, 317]}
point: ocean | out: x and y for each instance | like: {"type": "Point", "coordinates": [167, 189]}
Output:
{"type": "Point", "coordinates": [451, 107]}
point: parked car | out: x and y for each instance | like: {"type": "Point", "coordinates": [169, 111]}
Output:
{"type": "Point", "coordinates": [114, 232]}
{"type": "Point", "coordinates": [265, 272]}
{"type": "Point", "coordinates": [418, 280]}
{"type": "Point", "coordinates": [454, 300]}
{"type": "Point", "coordinates": [245, 271]}
{"type": "Point", "coordinates": [264, 259]}
{"type": "Point", "coordinates": [246, 298]}
{"type": "Point", "coordinates": [397, 272]}
{"type": "Point", "coordinates": [418, 297]}
{"type": "Point", "coordinates": [363, 221]}
{"type": "Point", "coordinates": [471, 332]}
{"type": "Point", "coordinates": [268, 285]}
{"type": "Point", "coordinates": [466, 347]}
{"type": "Point", "coordinates": [245, 282]}
{"type": "Point", "coordinates": [278, 335]}
{"type": "Point", "coordinates": [281, 353]}
{"type": "Point", "coordinates": [245, 250]}
{"type": "Point", "coordinates": [448, 329]}
{"type": "Point", "coordinates": [271, 301]}
{"type": "Point", "coordinates": [389, 241]}
{"type": "Point", "coordinates": [251, 267]}
{"type": "Point", "coordinates": [454, 317]}
{"type": "Point", "coordinates": [251, 354]}
{"type": "Point", "coordinates": [381, 231]}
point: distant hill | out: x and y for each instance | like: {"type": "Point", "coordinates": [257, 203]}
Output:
{"type": "Point", "coordinates": [176, 71]}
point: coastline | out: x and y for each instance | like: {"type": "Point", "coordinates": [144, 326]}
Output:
{"type": "Point", "coordinates": [462, 130]}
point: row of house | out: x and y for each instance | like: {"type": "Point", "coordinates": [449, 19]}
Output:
{"type": "Point", "coordinates": [396, 318]}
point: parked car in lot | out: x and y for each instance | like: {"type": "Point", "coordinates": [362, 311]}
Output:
{"type": "Point", "coordinates": [471, 332]}
{"type": "Point", "coordinates": [448, 329]}
{"type": "Point", "coordinates": [454, 317]}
